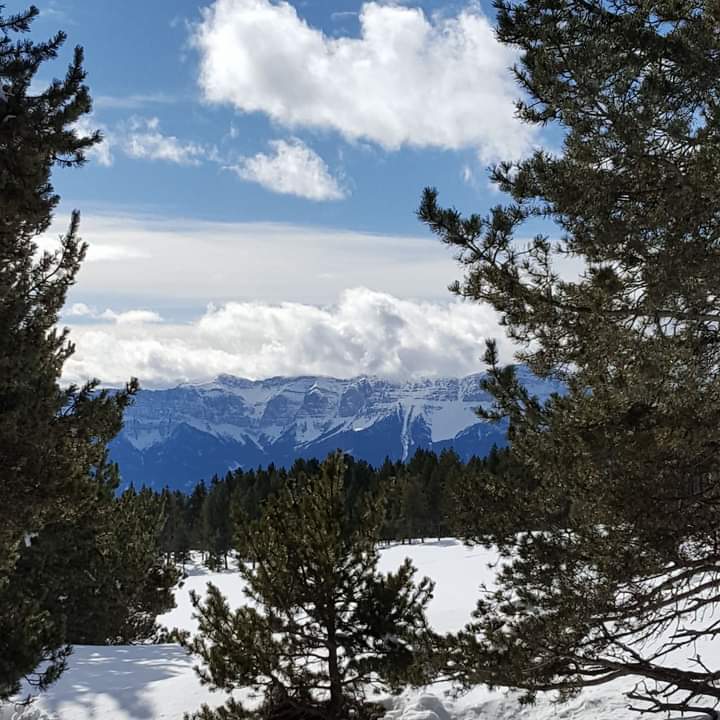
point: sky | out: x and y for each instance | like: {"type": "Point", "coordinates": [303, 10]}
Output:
{"type": "Point", "coordinates": [251, 209]}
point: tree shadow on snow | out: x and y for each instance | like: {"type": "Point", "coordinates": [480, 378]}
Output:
{"type": "Point", "coordinates": [119, 672]}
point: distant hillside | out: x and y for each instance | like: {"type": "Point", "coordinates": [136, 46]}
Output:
{"type": "Point", "coordinates": [177, 436]}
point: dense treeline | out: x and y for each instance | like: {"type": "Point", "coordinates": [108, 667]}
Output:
{"type": "Point", "coordinates": [423, 498]}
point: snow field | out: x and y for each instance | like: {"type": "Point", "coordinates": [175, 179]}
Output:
{"type": "Point", "coordinates": [148, 682]}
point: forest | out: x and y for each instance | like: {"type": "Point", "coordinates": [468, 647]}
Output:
{"type": "Point", "coordinates": [422, 498]}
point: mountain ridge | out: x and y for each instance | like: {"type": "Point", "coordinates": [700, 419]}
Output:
{"type": "Point", "coordinates": [176, 436]}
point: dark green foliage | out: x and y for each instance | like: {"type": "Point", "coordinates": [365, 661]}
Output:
{"type": "Point", "coordinates": [491, 500]}
{"type": "Point", "coordinates": [35, 437]}
{"type": "Point", "coordinates": [624, 466]}
{"type": "Point", "coordinates": [75, 564]}
{"type": "Point", "coordinates": [324, 626]}
{"type": "Point", "coordinates": [131, 582]}
{"type": "Point", "coordinates": [196, 528]}
{"type": "Point", "coordinates": [414, 509]}
{"type": "Point", "coordinates": [427, 497]}
{"type": "Point", "coordinates": [175, 537]}
{"type": "Point", "coordinates": [103, 574]}
{"type": "Point", "coordinates": [440, 485]}
{"type": "Point", "coordinates": [217, 529]}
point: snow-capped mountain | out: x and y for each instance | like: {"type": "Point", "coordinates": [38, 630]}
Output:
{"type": "Point", "coordinates": [176, 437]}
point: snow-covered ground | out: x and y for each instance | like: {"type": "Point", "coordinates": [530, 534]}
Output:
{"type": "Point", "coordinates": [145, 682]}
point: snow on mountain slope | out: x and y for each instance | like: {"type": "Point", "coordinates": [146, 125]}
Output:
{"type": "Point", "coordinates": [144, 682]}
{"type": "Point", "coordinates": [180, 435]}
{"type": "Point", "coordinates": [235, 408]}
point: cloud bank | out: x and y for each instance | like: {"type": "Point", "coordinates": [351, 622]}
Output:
{"type": "Point", "coordinates": [406, 80]}
{"type": "Point", "coordinates": [366, 332]}
{"type": "Point", "coordinates": [159, 262]}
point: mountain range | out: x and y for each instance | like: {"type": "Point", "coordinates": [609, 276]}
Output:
{"type": "Point", "coordinates": [177, 436]}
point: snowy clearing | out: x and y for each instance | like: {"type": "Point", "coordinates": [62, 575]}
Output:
{"type": "Point", "coordinates": [145, 682]}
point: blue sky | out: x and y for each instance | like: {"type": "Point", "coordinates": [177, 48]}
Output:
{"type": "Point", "coordinates": [252, 208]}
{"type": "Point", "coordinates": [141, 62]}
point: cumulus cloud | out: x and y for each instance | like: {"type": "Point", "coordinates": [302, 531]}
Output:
{"type": "Point", "coordinates": [292, 169]}
{"type": "Point", "coordinates": [141, 138]}
{"type": "Point", "coordinates": [144, 140]}
{"type": "Point", "coordinates": [366, 332]}
{"type": "Point", "coordinates": [408, 79]}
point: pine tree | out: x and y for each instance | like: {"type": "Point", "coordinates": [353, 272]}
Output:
{"type": "Point", "coordinates": [496, 498]}
{"type": "Point", "coordinates": [626, 460]}
{"type": "Point", "coordinates": [324, 625]}
{"type": "Point", "coordinates": [244, 509]}
{"type": "Point", "coordinates": [104, 574]}
{"type": "Point", "coordinates": [52, 439]}
{"type": "Point", "coordinates": [444, 478]}
{"type": "Point", "coordinates": [217, 528]}
{"type": "Point", "coordinates": [393, 527]}
{"type": "Point", "coordinates": [176, 532]}
{"type": "Point", "coordinates": [414, 508]}
{"type": "Point", "coordinates": [195, 517]}
{"type": "Point", "coordinates": [428, 508]}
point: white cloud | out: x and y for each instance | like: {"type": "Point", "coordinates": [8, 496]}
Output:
{"type": "Point", "coordinates": [140, 138]}
{"type": "Point", "coordinates": [156, 262]}
{"type": "Point", "coordinates": [467, 175]}
{"type": "Point", "coordinates": [407, 80]}
{"type": "Point", "coordinates": [177, 265]}
{"type": "Point", "coordinates": [54, 12]}
{"type": "Point", "coordinates": [292, 169]}
{"type": "Point", "coordinates": [99, 250]}
{"type": "Point", "coordinates": [131, 317]}
{"type": "Point", "coordinates": [79, 310]}
{"type": "Point", "coordinates": [365, 332]}
{"type": "Point", "coordinates": [132, 102]}
{"type": "Point", "coordinates": [145, 141]}
{"type": "Point", "coordinates": [127, 317]}
{"type": "Point", "coordinates": [109, 253]}
{"type": "Point", "coordinates": [101, 152]}
{"type": "Point", "coordinates": [342, 15]}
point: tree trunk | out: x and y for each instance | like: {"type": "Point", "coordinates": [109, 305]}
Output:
{"type": "Point", "coordinates": [336, 698]}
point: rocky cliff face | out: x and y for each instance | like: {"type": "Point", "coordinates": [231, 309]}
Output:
{"type": "Point", "coordinates": [177, 436]}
